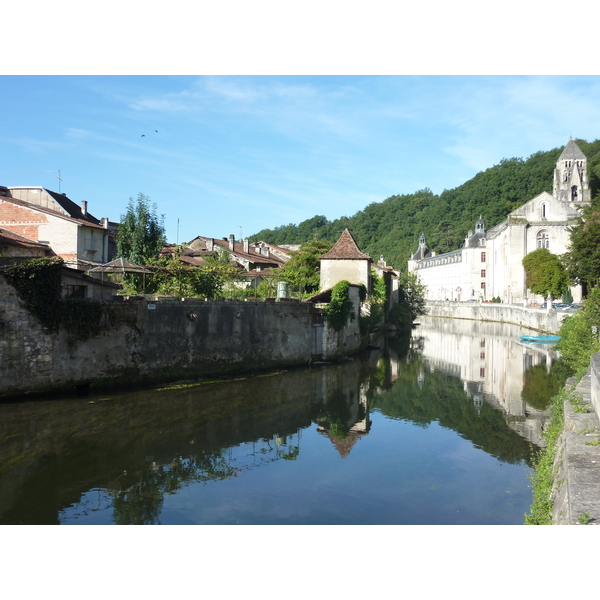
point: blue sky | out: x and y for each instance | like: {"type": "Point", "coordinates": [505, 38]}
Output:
{"type": "Point", "coordinates": [236, 154]}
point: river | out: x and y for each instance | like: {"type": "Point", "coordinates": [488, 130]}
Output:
{"type": "Point", "coordinates": [436, 428]}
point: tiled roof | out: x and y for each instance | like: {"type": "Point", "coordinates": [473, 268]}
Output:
{"type": "Point", "coordinates": [251, 255]}
{"type": "Point", "coordinates": [346, 249]}
{"type": "Point", "coordinates": [14, 239]}
{"type": "Point", "coordinates": [571, 151]}
{"type": "Point", "coordinates": [49, 211]}
{"type": "Point", "coordinates": [74, 210]}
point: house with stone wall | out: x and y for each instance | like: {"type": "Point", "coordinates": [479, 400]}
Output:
{"type": "Point", "coordinates": [52, 219]}
{"type": "Point", "coordinates": [345, 261]}
{"type": "Point", "coordinates": [15, 247]}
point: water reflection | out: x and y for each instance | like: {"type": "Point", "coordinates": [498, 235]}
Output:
{"type": "Point", "coordinates": [492, 363]}
{"type": "Point", "coordinates": [305, 446]}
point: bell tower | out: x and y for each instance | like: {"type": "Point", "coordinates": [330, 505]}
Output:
{"type": "Point", "coordinates": [570, 176]}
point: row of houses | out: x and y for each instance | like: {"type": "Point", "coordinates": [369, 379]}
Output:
{"type": "Point", "coordinates": [37, 222]}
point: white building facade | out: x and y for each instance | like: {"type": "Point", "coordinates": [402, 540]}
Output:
{"type": "Point", "coordinates": [490, 263]}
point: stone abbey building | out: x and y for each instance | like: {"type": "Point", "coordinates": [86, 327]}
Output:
{"type": "Point", "coordinates": [489, 264]}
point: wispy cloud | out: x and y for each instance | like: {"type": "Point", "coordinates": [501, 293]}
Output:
{"type": "Point", "coordinates": [38, 146]}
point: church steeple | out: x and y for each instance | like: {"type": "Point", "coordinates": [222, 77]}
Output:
{"type": "Point", "coordinates": [422, 250]}
{"type": "Point", "coordinates": [480, 226]}
{"type": "Point", "coordinates": [570, 176]}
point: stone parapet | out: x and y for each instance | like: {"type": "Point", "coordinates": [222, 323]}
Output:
{"type": "Point", "coordinates": [163, 340]}
{"type": "Point", "coordinates": [538, 319]}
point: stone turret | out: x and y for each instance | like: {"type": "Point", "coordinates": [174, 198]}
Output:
{"type": "Point", "coordinates": [570, 176]}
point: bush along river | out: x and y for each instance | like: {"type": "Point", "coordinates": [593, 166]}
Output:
{"type": "Point", "coordinates": [436, 428]}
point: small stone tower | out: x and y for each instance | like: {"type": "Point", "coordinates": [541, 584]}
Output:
{"type": "Point", "coordinates": [570, 176]}
{"type": "Point", "coordinates": [480, 226]}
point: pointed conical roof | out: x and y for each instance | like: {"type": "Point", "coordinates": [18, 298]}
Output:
{"type": "Point", "coordinates": [346, 249]}
{"type": "Point", "coordinates": [572, 152]}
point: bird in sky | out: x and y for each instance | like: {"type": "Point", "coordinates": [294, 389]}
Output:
{"type": "Point", "coordinates": [143, 135]}
{"type": "Point", "coordinates": [156, 130]}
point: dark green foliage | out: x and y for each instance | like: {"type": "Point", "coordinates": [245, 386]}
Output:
{"type": "Point", "coordinates": [412, 293]}
{"type": "Point", "coordinates": [583, 258]}
{"type": "Point", "coordinates": [141, 233]}
{"type": "Point", "coordinates": [392, 227]}
{"type": "Point", "coordinates": [172, 277]}
{"type": "Point", "coordinates": [578, 340]}
{"type": "Point", "coordinates": [336, 415]}
{"type": "Point", "coordinates": [303, 269]}
{"type": "Point", "coordinates": [37, 282]}
{"type": "Point", "coordinates": [339, 309]}
{"type": "Point", "coordinates": [567, 297]}
{"type": "Point", "coordinates": [544, 273]}
{"type": "Point", "coordinates": [540, 386]}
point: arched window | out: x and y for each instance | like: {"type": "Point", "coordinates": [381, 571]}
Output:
{"type": "Point", "coordinates": [543, 240]}
{"type": "Point", "coordinates": [574, 193]}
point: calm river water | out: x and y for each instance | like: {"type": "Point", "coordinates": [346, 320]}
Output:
{"type": "Point", "coordinates": [438, 428]}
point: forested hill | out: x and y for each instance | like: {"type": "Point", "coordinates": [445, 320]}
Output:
{"type": "Point", "coordinates": [392, 228]}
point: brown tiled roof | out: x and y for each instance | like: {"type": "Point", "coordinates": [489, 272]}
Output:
{"type": "Point", "coordinates": [252, 255]}
{"type": "Point", "coordinates": [14, 239]}
{"type": "Point", "coordinates": [49, 211]}
{"type": "Point", "coordinates": [346, 249]}
{"type": "Point", "coordinates": [267, 272]}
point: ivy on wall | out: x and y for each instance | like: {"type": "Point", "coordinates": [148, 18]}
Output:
{"type": "Point", "coordinates": [38, 284]}
{"type": "Point", "coordinates": [339, 309]}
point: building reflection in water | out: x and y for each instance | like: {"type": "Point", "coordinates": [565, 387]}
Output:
{"type": "Point", "coordinates": [492, 362]}
{"type": "Point", "coordinates": [68, 459]}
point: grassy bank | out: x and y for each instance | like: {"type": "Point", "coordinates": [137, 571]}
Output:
{"type": "Point", "coordinates": [579, 340]}
{"type": "Point", "coordinates": [543, 478]}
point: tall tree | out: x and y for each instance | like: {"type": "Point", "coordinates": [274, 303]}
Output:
{"type": "Point", "coordinates": [544, 273]}
{"type": "Point", "coordinates": [141, 233]}
{"type": "Point", "coordinates": [583, 258]}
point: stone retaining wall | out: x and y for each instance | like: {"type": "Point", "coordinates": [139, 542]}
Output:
{"type": "Point", "coordinates": [165, 341]}
{"type": "Point", "coordinates": [538, 319]}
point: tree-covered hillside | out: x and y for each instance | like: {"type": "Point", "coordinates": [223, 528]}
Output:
{"type": "Point", "coordinates": [392, 228]}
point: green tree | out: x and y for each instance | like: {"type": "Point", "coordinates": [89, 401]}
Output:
{"type": "Point", "coordinates": [544, 273]}
{"type": "Point", "coordinates": [577, 341]}
{"type": "Point", "coordinates": [141, 233]}
{"type": "Point", "coordinates": [303, 269]}
{"type": "Point", "coordinates": [583, 258]}
{"type": "Point", "coordinates": [172, 277]}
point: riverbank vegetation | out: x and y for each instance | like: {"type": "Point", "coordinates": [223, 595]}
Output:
{"type": "Point", "coordinates": [578, 341]}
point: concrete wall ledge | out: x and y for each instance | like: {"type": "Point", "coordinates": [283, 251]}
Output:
{"type": "Point", "coordinates": [577, 464]}
{"type": "Point", "coordinates": [538, 319]}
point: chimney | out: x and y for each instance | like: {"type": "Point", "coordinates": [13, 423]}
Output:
{"type": "Point", "coordinates": [210, 244]}
{"type": "Point", "coordinates": [246, 246]}
{"type": "Point", "coordinates": [231, 242]}
{"type": "Point", "coordinates": [84, 207]}
{"type": "Point", "coordinates": [265, 251]}
{"type": "Point", "coordinates": [104, 221]}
